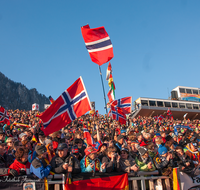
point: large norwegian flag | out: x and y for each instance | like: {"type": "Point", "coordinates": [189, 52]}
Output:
{"type": "Point", "coordinates": [124, 104]}
{"type": "Point", "coordinates": [72, 103]}
{"type": "Point", "coordinates": [98, 44]}
{"type": "Point", "coordinates": [4, 117]}
{"type": "Point", "coordinates": [118, 115]}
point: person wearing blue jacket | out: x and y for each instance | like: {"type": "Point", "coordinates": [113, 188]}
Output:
{"type": "Point", "coordinates": [39, 166]}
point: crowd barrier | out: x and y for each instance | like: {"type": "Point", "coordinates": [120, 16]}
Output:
{"type": "Point", "coordinates": [143, 181]}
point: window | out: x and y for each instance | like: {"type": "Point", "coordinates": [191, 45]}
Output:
{"type": "Point", "coordinates": [189, 106]}
{"type": "Point", "coordinates": [195, 91]}
{"type": "Point", "coordinates": [195, 106]}
{"type": "Point", "coordinates": [160, 104]}
{"type": "Point", "coordinates": [144, 102]}
{"type": "Point", "coordinates": [167, 104]}
{"type": "Point", "coordinates": [152, 103]}
{"type": "Point", "coordinates": [189, 91]}
{"type": "Point", "coordinates": [174, 104]}
{"type": "Point", "coordinates": [182, 90]}
{"type": "Point", "coordinates": [181, 105]}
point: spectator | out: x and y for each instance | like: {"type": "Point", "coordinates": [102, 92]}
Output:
{"type": "Point", "coordinates": [21, 164]}
{"type": "Point", "coordinates": [127, 163]}
{"type": "Point", "coordinates": [90, 162]}
{"type": "Point", "coordinates": [39, 166]}
{"type": "Point", "coordinates": [59, 163]}
{"type": "Point", "coordinates": [144, 161]}
{"type": "Point", "coordinates": [111, 160]}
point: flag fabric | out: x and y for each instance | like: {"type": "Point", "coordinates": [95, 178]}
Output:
{"type": "Point", "coordinates": [4, 117]}
{"type": "Point", "coordinates": [111, 96]}
{"type": "Point", "coordinates": [118, 115]}
{"type": "Point", "coordinates": [98, 44]}
{"type": "Point", "coordinates": [169, 113]}
{"type": "Point", "coordinates": [109, 71]}
{"type": "Point", "coordinates": [176, 183]}
{"type": "Point", "coordinates": [156, 118]}
{"type": "Point", "coordinates": [89, 140]}
{"type": "Point", "coordinates": [108, 181]}
{"type": "Point", "coordinates": [51, 100]}
{"type": "Point", "coordinates": [161, 117]}
{"type": "Point", "coordinates": [71, 104]}
{"type": "Point", "coordinates": [124, 104]}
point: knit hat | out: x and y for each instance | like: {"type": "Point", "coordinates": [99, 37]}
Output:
{"type": "Point", "coordinates": [89, 150]}
{"type": "Point", "coordinates": [123, 131]}
{"type": "Point", "coordinates": [94, 133]}
{"type": "Point", "coordinates": [47, 141]}
{"type": "Point", "coordinates": [143, 144]}
{"type": "Point", "coordinates": [40, 149]}
{"type": "Point", "coordinates": [162, 150]}
{"type": "Point", "coordinates": [142, 150]}
{"type": "Point", "coordinates": [75, 150]}
{"type": "Point", "coordinates": [138, 134]}
{"type": "Point", "coordinates": [61, 146]}
{"type": "Point", "coordinates": [120, 137]}
{"type": "Point", "coordinates": [21, 135]}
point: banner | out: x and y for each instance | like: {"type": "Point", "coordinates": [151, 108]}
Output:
{"type": "Point", "coordinates": [85, 181]}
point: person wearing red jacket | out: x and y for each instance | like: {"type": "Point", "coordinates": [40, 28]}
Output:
{"type": "Point", "coordinates": [21, 164]}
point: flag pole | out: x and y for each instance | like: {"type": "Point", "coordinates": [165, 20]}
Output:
{"type": "Point", "coordinates": [103, 89]}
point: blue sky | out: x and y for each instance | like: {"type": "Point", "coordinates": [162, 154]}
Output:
{"type": "Point", "coordinates": [156, 45]}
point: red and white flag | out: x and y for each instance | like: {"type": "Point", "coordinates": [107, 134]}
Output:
{"type": "Point", "coordinates": [98, 44]}
{"type": "Point", "coordinates": [118, 115]}
{"type": "Point", "coordinates": [4, 117]}
{"type": "Point", "coordinates": [169, 113]}
{"type": "Point", "coordinates": [72, 103]}
{"type": "Point", "coordinates": [111, 96]}
{"type": "Point", "coordinates": [161, 117]}
{"type": "Point", "coordinates": [124, 103]}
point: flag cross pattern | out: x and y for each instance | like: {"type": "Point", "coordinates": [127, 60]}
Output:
{"type": "Point", "coordinates": [68, 106]}
{"type": "Point", "coordinates": [117, 114]}
{"type": "Point", "coordinates": [3, 116]}
{"type": "Point", "coordinates": [122, 105]}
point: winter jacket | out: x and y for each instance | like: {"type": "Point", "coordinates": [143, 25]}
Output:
{"type": "Point", "coordinates": [57, 163]}
{"type": "Point", "coordinates": [5, 162]}
{"type": "Point", "coordinates": [126, 164]}
{"type": "Point", "coordinates": [143, 166]}
{"type": "Point", "coordinates": [20, 167]}
{"type": "Point", "coordinates": [111, 166]}
{"type": "Point", "coordinates": [40, 168]}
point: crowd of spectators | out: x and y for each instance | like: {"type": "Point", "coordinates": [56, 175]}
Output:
{"type": "Point", "coordinates": [143, 144]}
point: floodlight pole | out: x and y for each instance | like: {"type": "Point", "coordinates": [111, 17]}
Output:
{"type": "Point", "coordinates": [103, 90]}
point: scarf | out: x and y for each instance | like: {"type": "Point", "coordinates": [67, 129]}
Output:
{"type": "Point", "coordinates": [97, 163]}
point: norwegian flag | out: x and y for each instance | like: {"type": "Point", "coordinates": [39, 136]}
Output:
{"type": "Point", "coordinates": [98, 44]}
{"type": "Point", "coordinates": [169, 113]}
{"type": "Point", "coordinates": [89, 140]}
{"type": "Point", "coordinates": [161, 117]}
{"type": "Point", "coordinates": [71, 104]}
{"type": "Point", "coordinates": [124, 104]}
{"type": "Point", "coordinates": [4, 117]}
{"type": "Point", "coordinates": [156, 118]}
{"type": "Point", "coordinates": [118, 115]}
